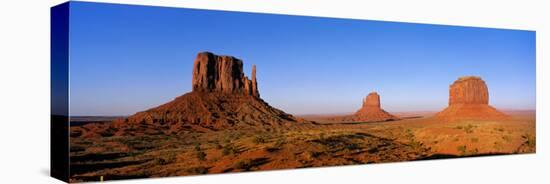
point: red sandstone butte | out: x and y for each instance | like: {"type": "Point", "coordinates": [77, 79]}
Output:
{"type": "Point", "coordinates": [371, 110]}
{"type": "Point", "coordinates": [212, 73]}
{"type": "Point", "coordinates": [222, 98]}
{"type": "Point", "coordinates": [469, 100]}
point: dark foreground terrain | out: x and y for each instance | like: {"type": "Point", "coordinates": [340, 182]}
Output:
{"type": "Point", "coordinates": [324, 144]}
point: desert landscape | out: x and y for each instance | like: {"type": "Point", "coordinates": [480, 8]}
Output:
{"type": "Point", "coordinates": [223, 125]}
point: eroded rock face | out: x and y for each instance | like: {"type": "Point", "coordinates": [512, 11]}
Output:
{"type": "Point", "coordinates": [469, 90]}
{"type": "Point", "coordinates": [254, 89]}
{"type": "Point", "coordinates": [213, 73]}
{"type": "Point", "coordinates": [372, 100]}
{"type": "Point", "coordinates": [469, 100]}
{"type": "Point", "coordinates": [371, 111]}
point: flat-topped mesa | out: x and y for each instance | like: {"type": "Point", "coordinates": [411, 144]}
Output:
{"type": "Point", "coordinates": [372, 101]}
{"type": "Point", "coordinates": [213, 73]}
{"type": "Point", "coordinates": [468, 90]}
{"type": "Point", "coordinates": [469, 100]}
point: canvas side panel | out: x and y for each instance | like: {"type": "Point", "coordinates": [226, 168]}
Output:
{"type": "Point", "coordinates": [59, 124]}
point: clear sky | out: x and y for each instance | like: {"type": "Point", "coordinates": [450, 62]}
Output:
{"type": "Point", "coordinates": [126, 59]}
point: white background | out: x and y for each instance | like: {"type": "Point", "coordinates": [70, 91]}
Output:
{"type": "Point", "coordinates": [24, 90]}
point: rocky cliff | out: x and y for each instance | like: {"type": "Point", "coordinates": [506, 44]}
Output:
{"type": "Point", "coordinates": [212, 73]}
{"type": "Point", "coordinates": [372, 101]}
{"type": "Point", "coordinates": [468, 90]}
{"type": "Point", "coordinates": [469, 99]}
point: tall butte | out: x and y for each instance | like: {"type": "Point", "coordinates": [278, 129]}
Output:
{"type": "Point", "coordinates": [469, 100]}
{"type": "Point", "coordinates": [222, 98]}
{"type": "Point", "coordinates": [224, 74]}
{"type": "Point", "coordinates": [371, 110]}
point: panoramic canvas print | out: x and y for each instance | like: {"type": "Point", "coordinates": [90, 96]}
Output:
{"type": "Point", "coordinates": [143, 91]}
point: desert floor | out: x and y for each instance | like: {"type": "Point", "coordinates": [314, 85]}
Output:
{"type": "Point", "coordinates": [326, 144]}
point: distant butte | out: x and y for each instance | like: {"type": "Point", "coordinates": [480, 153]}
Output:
{"type": "Point", "coordinates": [371, 111]}
{"type": "Point", "coordinates": [469, 100]}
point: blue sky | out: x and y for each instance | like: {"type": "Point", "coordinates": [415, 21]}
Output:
{"type": "Point", "coordinates": [126, 59]}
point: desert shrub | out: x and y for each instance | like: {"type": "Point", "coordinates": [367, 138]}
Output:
{"type": "Point", "coordinates": [234, 136]}
{"type": "Point", "coordinates": [280, 142]}
{"type": "Point", "coordinates": [473, 152]}
{"type": "Point", "coordinates": [218, 146]}
{"type": "Point", "coordinates": [228, 150]}
{"type": "Point", "coordinates": [352, 146]}
{"type": "Point", "coordinates": [469, 128]}
{"type": "Point", "coordinates": [259, 139]}
{"type": "Point", "coordinates": [161, 161]}
{"type": "Point", "coordinates": [409, 134]}
{"type": "Point", "coordinates": [201, 155]}
{"type": "Point", "coordinates": [530, 140]}
{"type": "Point", "coordinates": [243, 164]}
{"type": "Point", "coordinates": [314, 154]}
{"type": "Point", "coordinates": [462, 149]}
{"type": "Point", "coordinates": [322, 135]}
{"type": "Point", "coordinates": [198, 170]}
{"type": "Point", "coordinates": [412, 139]}
{"type": "Point", "coordinates": [416, 144]}
{"type": "Point", "coordinates": [169, 158]}
{"type": "Point", "coordinates": [271, 149]}
{"type": "Point", "coordinates": [474, 140]}
{"type": "Point", "coordinates": [106, 133]}
{"type": "Point", "coordinates": [247, 164]}
{"type": "Point", "coordinates": [165, 161]}
{"type": "Point", "coordinates": [276, 146]}
{"type": "Point", "coordinates": [197, 146]}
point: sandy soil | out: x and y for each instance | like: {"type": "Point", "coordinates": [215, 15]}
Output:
{"type": "Point", "coordinates": [326, 144]}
